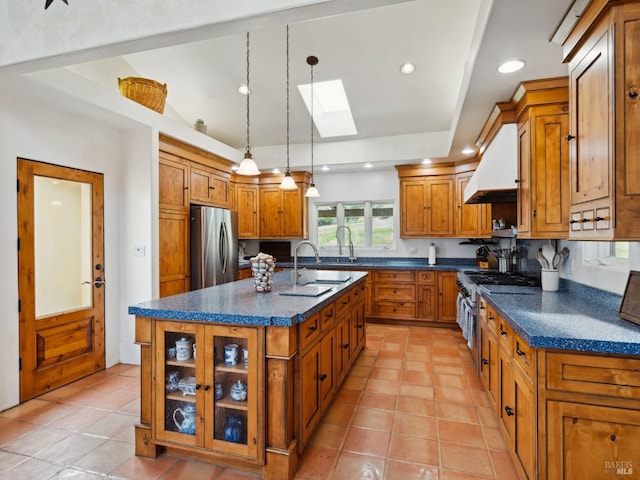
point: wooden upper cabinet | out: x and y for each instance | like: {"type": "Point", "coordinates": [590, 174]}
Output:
{"type": "Point", "coordinates": [604, 74]}
{"type": "Point", "coordinates": [283, 213]}
{"type": "Point", "coordinates": [247, 206]}
{"type": "Point", "coordinates": [173, 179]}
{"type": "Point", "coordinates": [426, 206]}
{"type": "Point", "coordinates": [208, 186]}
{"type": "Point", "coordinates": [542, 112]}
{"type": "Point", "coordinates": [472, 220]}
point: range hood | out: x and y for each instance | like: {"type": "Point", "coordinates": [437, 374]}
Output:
{"type": "Point", "coordinates": [495, 178]}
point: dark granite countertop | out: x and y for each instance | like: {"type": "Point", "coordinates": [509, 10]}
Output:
{"type": "Point", "coordinates": [238, 302]}
{"type": "Point", "coordinates": [576, 317]}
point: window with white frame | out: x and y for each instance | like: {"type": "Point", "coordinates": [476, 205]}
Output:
{"type": "Point", "coordinates": [372, 224]}
{"type": "Point", "coordinates": [606, 254]}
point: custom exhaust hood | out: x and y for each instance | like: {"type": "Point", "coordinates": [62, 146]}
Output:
{"type": "Point", "coordinates": [495, 178]}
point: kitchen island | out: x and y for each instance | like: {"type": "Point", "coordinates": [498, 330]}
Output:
{"type": "Point", "coordinates": [241, 378]}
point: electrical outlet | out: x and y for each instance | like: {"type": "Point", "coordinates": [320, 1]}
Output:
{"type": "Point", "coordinates": [139, 251]}
{"type": "Point", "coordinates": [413, 250]}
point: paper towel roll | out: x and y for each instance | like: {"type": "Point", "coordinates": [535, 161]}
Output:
{"type": "Point", "coordinates": [432, 254]}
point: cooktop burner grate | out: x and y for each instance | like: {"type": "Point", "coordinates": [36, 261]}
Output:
{"type": "Point", "coordinates": [488, 277]}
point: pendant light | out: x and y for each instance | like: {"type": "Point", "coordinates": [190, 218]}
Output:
{"type": "Point", "coordinates": [248, 166]}
{"type": "Point", "coordinates": [312, 191]}
{"type": "Point", "coordinates": [288, 183]}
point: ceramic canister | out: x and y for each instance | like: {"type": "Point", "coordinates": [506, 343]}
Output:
{"type": "Point", "coordinates": [183, 349]}
{"type": "Point", "coordinates": [231, 354]}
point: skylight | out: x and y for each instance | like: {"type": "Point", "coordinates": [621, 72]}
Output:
{"type": "Point", "coordinates": [331, 112]}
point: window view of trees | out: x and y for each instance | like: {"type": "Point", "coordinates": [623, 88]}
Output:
{"type": "Point", "coordinates": [372, 224]}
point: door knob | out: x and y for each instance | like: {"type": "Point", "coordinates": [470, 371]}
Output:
{"type": "Point", "coordinates": [97, 283]}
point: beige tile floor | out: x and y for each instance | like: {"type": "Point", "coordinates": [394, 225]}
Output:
{"type": "Point", "coordinates": [411, 408]}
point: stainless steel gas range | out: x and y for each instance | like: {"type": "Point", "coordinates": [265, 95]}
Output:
{"type": "Point", "coordinates": [467, 302]}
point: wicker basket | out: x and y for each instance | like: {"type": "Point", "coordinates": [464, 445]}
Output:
{"type": "Point", "coordinates": [146, 92]}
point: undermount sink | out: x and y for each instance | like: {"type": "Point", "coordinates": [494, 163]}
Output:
{"type": "Point", "coordinates": [307, 290]}
{"type": "Point", "coordinates": [328, 276]}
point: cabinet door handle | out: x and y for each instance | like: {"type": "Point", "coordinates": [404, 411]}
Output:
{"type": "Point", "coordinates": [198, 386]}
{"type": "Point", "coordinates": [509, 410]}
{"type": "Point", "coordinates": [520, 352]}
{"type": "Point", "coordinates": [345, 346]}
{"type": "Point", "coordinates": [206, 388]}
{"type": "Point", "coordinates": [573, 221]}
{"type": "Point", "coordinates": [633, 94]}
{"type": "Point", "coordinates": [485, 361]}
{"type": "Point", "coordinates": [322, 377]}
{"type": "Point", "coordinates": [570, 137]}
{"type": "Point", "coordinates": [212, 188]}
{"type": "Point", "coordinates": [502, 332]}
{"type": "Point", "coordinates": [360, 325]}
{"type": "Point", "coordinates": [312, 329]}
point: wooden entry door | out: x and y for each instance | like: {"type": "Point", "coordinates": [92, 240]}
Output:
{"type": "Point", "coordinates": [61, 275]}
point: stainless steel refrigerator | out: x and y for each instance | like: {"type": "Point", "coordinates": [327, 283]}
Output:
{"type": "Point", "coordinates": [214, 246]}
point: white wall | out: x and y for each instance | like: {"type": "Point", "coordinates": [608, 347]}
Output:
{"type": "Point", "coordinates": [374, 185]}
{"type": "Point", "coordinates": [611, 279]}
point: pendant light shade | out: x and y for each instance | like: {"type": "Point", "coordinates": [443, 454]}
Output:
{"type": "Point", "coordinates": [288, 183]}
{"type": "Point", "coordinates": [248, 165]}
{"type": "Point", "coordinates": [312, 191]}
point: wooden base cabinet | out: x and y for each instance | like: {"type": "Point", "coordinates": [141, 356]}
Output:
{"type": "Point", "coordinates": [414, 296]}
{"type": "Point", "coordinates": [564, 415]}
{"type": "Point", "coordinates": [589, 416]}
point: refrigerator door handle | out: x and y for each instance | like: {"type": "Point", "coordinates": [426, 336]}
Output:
{"type": "Point", "coordinates": [224, 248]}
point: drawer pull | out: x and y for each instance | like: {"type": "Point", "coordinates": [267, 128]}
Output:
{"type": "Point", "coordinates": [485, 361]}
{"type": "Point", "coordinates": [502, 332]}
{"type": "Point", "coordinates": [360, 325]}
{"type": "Point", "coordinates": [345, 346]}
{"type": "Point", "coordinates": [509, 411]}
{"type": "Point", "coordinates": [520, 352]}
{"type": "Point", "coordinates": [491, 317]}
{"type": "Point", "coordinates": [613, 437]}
{"type": "Point", "coordinates": [322, 377]}
{"type": "Point", "coordinates": [312, 329]}
{"type": "Point", "coordinates": [574, 221]}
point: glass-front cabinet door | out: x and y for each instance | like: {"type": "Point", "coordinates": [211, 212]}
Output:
{"type": "Point", "coordinates": [209, 381]}
{"type": "Point", "coordinates": [234, 401]}
{"type": "Point", "coordinates": [179, 381]}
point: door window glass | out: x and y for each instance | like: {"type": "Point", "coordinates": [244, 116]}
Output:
{"type": "Point", "coordinates": [62, 241]}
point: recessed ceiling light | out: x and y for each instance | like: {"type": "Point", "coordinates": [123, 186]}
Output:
{"type": "Point", "coordinates": [511, 66]}
{"type": "Point", "coordinates": [367, 165]}
{"type": "Point", "coordinates": [468, 151]}
{"type": "Point", "coordinates": [325, 168]}
{"type": "Point", "coordinates": [275, 170]}
{"type": "Point", "coordinates": [407, 68]}
{"type": "Point", "coordinates": [427, 161]}
{"type": "Point", "coordinates": [244, 90]}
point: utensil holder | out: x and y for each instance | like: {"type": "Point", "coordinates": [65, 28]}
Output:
{"type": "Point", "coordinates": [550, 280]}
